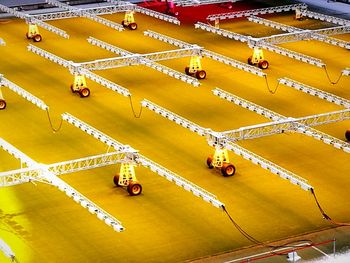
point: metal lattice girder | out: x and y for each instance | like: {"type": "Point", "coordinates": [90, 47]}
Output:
{"type": "Point", "coordinates": [144, 59]}
{"type": "Point", "coordinates": [207, 53]}
{"type": "Point", "coordinates": [75, 68]}
{"type": "Point", "coordinates": [144, 161]}
{"type": "Point", "coordinates": [16, 153]}
{"type": "Point", "coordinates": [260, 11]}
{"type": "Point", "coordinates": [327, 18]}
{"type": "Point", "coordinates": [270, 166]}
{"type": "Point", "coordinates": [2, 42]}
{"type": "Point", "coordinates": [20, 176]}
{"type": "Point", "coordinates": [346, 72]}
{"type": "Point", "coordinates": [174, 117]}
{"type": "Point", "coordinates": [32, 20]}
{"type": "Point", "coordinates": [94, 209]}
{"type": "Point", "coordinates": [201, 2]}
{"type": "Point", "coordinates": [25, 94]}
{"type": "Point", "coordinates": [218, 139]}
{"type": "Point", "coordinates": [327, 139]}
{"type": "Point", "coordinates": [288, 124]}
{"type": "Point", "coordinates": [83, 13]}
{"type": "Point", "coordinates": [315, 92]}
{"type": "Point", "coordinates": [320, 34]}
{"type": "Point", "coordinates": [256, 42]}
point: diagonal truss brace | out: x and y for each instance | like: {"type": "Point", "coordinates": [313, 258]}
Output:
{"type": "Point", "coordinates": [144, 161]}
{"type": "Point", "coordinates": [42, 173]}
{"type": "Point", "coordinates": [218, 140]}
{"type": "Point", "coordinates": [206, 53]}
{"type": "Point", "coordinates": [257, 42]}
{"type": "Point", "coordinates": [301, 128]}
{"type": "Point", "coordinates": [23, 93]}
{"type": "Point", "coordinates": [148, 60]}
{"type": "Point", "coordinates": [75, 68]}
{"type": "Point", "coordinates": [32, 20]}
{"type": "Point", "coordinates": [319, 34]}
{"type": "Point", "coordinates": [260, 11]}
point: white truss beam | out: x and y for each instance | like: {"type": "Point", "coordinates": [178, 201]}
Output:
{"type": "Point", "coordinates": [76, 68]}
{"type": "Point", "coordinates": [327, 18]}
{"type": "Point", "coordinates": [201, 2]}
{"type": "Point", "coordinates": [217, 139]}
{"type": "Point", "coordinates": [144, 161]}
{"type": "Point", "coordinates": [32, 20]}
{"type": "Point", "coordinates": [83, 13]}
{"type": "Point", "coordinates": [42, 173]}
{"type": "Point", "coordinates": [148, 60]}
{"type": "Point", "coordinates": [23, 93]}
{"type": "Point", "coordinates": [304, 129]}
{"type": "Point", "coordinates": [2, 42]}
{"type": "Point", "coordinates": [5, 248]}
{"type": "Point", "coordinates": [260, 11]}
{"type": "Point", "coordinates": [319, 34]}
{"type": "Point", "coordinates": [207, 53]}
{"type": "Point", "coordinates": [346, 72]}
{"type": "Point", "coordinates": [256, 42]}
{"type": "Point", "coordinates": [315, 92]}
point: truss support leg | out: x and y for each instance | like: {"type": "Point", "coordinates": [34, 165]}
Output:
{"type": "Point", "coordinates": [258, 59]}
{"type": "Point", "coordinates": [33, 33]}
{"type": "Point", "coordinates": [127, 178]}
{"type": "Point", "coordinates": [129, 20]}
{"type": "Point", "coordinates": [195, 68]}
{"type": "Point", "coordinates": [220, 160]}
{"type": "Point", "coordinates": [79, 86]}
{"type": "Point", "coordinates": [217, 23]}
{"type": "Point", "coordinates": [298, 14]}
{"type": "Point", "coordinates": [2, 101]}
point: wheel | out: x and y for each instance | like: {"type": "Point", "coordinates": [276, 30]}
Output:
{"type": "Point", "coordinates": [134, 188]}
{"type": "Point", "coordinates": [187, 70]}
{"type": "Point", "coordinates": [263, 64]}
{"type": "Point", "coordinates": [210, 162]}
{"type": "Point", "coordinates": [347, 135]}
{"type": "Point", "coordinates": [228, 169]}
{"type": "Point", "coordinates": [84, 92]}
{"type": "Point", "coordinates": [37, 38]}
{"type": "Point", "coordinates": [250, 60]}
{"type": "Point", "coordinates": [27, 35]}
{"type": "Point", "coordinates": [133, 26]}
{"type": "Point", "coordinates": [72, 88]}
{"type": "Point", "coordinates": [201, 74]}
{"type": "Point", "coordinates": [2, 104]}
{"type": "Point", "coordinates": [123, 23]}
{"type": "Point", "coordinates": [116, 180]}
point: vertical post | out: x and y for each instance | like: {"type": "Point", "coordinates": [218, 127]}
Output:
{"type": "Point", "coordinates": [334, 240]}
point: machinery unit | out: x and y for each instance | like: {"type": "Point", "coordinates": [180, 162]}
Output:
{"type": "Point", "coordinates": [129, 20]}
{"type": "Point", "coordinates": [257, 58]}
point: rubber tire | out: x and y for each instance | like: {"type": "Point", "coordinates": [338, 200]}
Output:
{"type": "Point", "coordinates": [84, 92]}
{"type": "Point", "coordinates": [72, 88]}
{"type": "Point", "coordinates": [134, 188]}
{"type": "Point", "coordinates": [228, 169]}
{"type": "Point", "coordinates": [187, 70]}
{"type": "Point", "coordinates": [116, 180]}
{"type": "Point", "coordinates": [263, 64]}
{"type": "Point", "coordinates": [347, 135]}
{"type": "Point", "coordinates": [133, 26]}
{"type": "Point", "coordinates": [250, 59]}
{"type": "Point", "coordinates": [201, 74]}
{"type": "Point", "coordinates": [2, 104]}
{"type": "Point", "coordinates": [210, 162]}
{"type": "Point", "coordinates": [27, 36]}
{"type": "Point", "coordinates": [37, 38]}
{"type": "Point", "coordinates": [123, 24]}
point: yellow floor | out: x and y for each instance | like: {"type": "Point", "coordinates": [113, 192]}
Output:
{"type": "Point", "coordinates": [165, 223]}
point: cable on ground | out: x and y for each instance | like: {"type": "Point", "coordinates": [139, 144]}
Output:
{"type": "Point", "coordinates": [51, 125]}
{"type": "Point", "coordinates": [272, 91]}
{"type": "Point", "coordinates": [328, 77]}
{"type": "Point", "coordinates": [133, 110]}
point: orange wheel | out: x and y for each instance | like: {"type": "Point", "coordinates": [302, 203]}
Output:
{"type": "Point", "coordinates": [347, 135]}
{"type": "Point", "coordinates": [133, 26]}
{"type": "Point", "coordinates": [27, 35]}
{"type": "Point", "coordinates": [210, 162]}
{"type": "Point", "coordinates": [263, 64]}
{"type": "Point", "coordinates": [134, 188]}
{"type": "Point", "coordinates": [228, 169]}
{"type": "Point", "coordinates": [201, 74]}
{"type": "Point", "coordinates": [37, 38]}
{"type": "Point", "coordinates": [187, 70]}
{"type": "Point", "coordinates": [123, 23]}
{"type": "Point", "coordinates": [2, 104]}
{"type": "Point", "coordinates": [250, 60]}
{"type": "Point", "coordinates": [84, 92]}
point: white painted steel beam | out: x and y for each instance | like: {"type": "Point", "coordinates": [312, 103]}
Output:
{"type": "Point", "coordinates": [327, 18]}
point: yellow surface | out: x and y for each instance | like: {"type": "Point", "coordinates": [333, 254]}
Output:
{"type": "Point", "coordinates": [165, 223]}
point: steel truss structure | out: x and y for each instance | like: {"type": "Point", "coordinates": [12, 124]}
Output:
{"type": "Point", "coordinates": [219, 140]}
{"type": "Point", "coordinates": [117, 7]}
{"type": "Point", "coordinates": [23, 93]}
{"type": "Point", "coordinates": [35, 21]}
{"type": "Point", "coordinates": [327, 18]}
{"type": "Point", "coordinates": [206, 53]}
{"type": "Point", "coordinates": [144, 161]}
{"type": "Point", "coordinates": [201, 2]}
{"type": "Point", "coordinates": [300, 125]}
{"type": "Point", "coordinates": [315, 92]}
{"type": "Point", "coordinates": [76, 68]}
{"type": "Point", "coordinates": [260, 11]}
{"type": "Point", "coordinates": [127, 58]}
{"type": "Point", "coordinates": [301, 34]}
{"type": "Point", "coordinates": [260, 43]}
